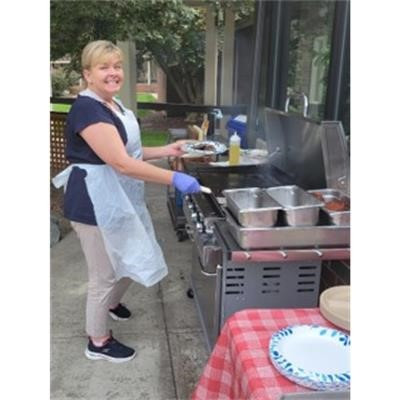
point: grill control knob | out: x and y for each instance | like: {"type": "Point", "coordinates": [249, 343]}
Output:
{"type": "Point", "coordinates": [194, 216]}
{"type": "Point", "coordinates": [209, 230]}
{"type": "Point", "coordinates": [199, 227]}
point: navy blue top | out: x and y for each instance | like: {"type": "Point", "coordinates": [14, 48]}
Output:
{"type": "Point", "coordinates": [85, 111]}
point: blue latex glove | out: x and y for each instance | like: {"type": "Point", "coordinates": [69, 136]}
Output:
{"type": "Point", "coordinates": [185, 183]}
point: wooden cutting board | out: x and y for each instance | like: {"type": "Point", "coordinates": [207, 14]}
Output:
{"type": "Point", "coordinates": [334, 304]}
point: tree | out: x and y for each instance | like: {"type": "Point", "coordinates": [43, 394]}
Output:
{"type": "Point", "coordinates": [163, 29]}
{"type": "Point", "coordinates": [167, 30]}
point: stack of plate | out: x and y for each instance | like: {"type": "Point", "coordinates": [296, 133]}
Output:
{"type": "Point", "coordinates": [313, 356]}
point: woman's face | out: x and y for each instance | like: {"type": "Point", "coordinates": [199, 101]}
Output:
{"type": "Point", "coordinates": [106, 77]}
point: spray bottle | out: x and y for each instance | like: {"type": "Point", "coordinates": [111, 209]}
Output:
{"type": "Point", "coordinates": [234, 149]}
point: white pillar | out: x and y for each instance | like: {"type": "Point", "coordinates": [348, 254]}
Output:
{"type": "Point", "coordinates": [211, 59]}
{"type": "Point", "coordinates": [128, 90]}
{"type": "Point", "coordinates": [228, 51]}
{"type": "Point", "coordinates": [148, 73]}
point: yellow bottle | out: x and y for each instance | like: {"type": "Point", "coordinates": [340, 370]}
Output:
{"type": "Point", "coordinates": [234, 149]}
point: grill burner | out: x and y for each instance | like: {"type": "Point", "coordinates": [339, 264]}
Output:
{"type": "Point", "coordinates": [208, 205]}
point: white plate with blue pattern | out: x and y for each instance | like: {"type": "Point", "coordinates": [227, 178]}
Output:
{"type": "Point", "coordinates": [313, 356]}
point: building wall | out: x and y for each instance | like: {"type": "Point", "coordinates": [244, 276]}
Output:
{"type": "Point", "coordinates": [145, 88]}
{"type": "Point", "coordinates": [159, 87]}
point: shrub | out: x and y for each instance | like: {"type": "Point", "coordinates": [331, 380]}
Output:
{"type": "Point", "coordinates": [62, 81]}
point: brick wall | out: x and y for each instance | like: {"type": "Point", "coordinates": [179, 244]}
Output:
{"type": "Point", "coordinates": [334, 273]}
{"type": "Point", "coordinates": [145, 88]}
{"type": "Point", "coordinates": [159, 87]}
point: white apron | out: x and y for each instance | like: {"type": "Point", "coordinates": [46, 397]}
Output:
{"type": "Point", "coordinates": [121, 212]}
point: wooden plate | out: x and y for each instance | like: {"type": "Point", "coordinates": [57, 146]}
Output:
{"type": "Point", "coordinates": [334, 304]}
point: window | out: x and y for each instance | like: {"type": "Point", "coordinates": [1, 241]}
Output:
{"type": "Point", "coordinates": [309, 52]}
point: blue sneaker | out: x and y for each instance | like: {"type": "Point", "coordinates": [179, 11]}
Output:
{"type": "Point", "coordinates": [111, 350]}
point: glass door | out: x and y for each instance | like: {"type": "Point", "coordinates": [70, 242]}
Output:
{"type": "Point", "coordinates": [301, 62]}
{"type": "Point", "coordinates": [310, 33]}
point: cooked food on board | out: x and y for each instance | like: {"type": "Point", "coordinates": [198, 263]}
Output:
{"type": "Point", "coordinates": [206, 147]}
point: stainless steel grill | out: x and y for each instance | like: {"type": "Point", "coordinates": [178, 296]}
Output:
{"type": "Point", "coordinates": [227, 277]}
{"type": "Point", "coordinates": [276, 266]}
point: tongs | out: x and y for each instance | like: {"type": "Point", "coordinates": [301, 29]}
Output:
{"type": "Point", "coordinates": [205, 189]}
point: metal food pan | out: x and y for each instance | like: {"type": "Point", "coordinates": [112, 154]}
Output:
{"type": "Point", "coordinates": [300, 208]}
{"type": "Point", "coordinates": [341, 218]}
{"type": "Point", "coordinates": [287, 236]}
{"type": "Point", "coordinates": [252, 206]}
{"type": "Point", "coordinates": [336, 205]}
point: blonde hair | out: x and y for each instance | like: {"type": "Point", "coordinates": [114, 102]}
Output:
{"type": "Point", "coordinates": [96, 52]}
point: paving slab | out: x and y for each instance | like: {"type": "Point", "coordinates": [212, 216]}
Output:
{"type": "Point", "coordinates": [180, 310]}
{"type": "Point", "coordinates": [68, 292]}
{"type": "Point", "coordinates": [188, 358]}
{"type": "Point", "coordinates": [147, 377]}
{"type": "Point", "coordinates": [68, 282]}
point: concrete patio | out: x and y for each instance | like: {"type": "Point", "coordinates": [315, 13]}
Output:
{"type": "Point", "coordinates": [164, 330]}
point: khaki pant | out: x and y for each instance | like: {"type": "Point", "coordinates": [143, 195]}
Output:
{"type": "Point", "coordinates": [104, 292]}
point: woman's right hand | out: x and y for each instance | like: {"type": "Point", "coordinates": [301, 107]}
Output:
{"type": "Point", "coordinates": [185, 183]}
{"type": "Point", "coordinates": [175, 149]}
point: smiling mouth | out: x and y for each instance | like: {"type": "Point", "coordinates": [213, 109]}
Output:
{"type": "Point", "coordinates": [116, 81]}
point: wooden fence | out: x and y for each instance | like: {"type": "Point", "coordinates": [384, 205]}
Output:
{"type": "Point", "coordinates": [57, 142]}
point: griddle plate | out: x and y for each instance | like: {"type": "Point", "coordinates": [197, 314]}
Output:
{"type": "Point", "coordinates": [219, 179]}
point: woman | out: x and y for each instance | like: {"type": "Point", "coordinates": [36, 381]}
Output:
{"type": "Point", "coordinates": [104, 196]}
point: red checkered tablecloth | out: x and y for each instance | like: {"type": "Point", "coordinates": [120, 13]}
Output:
{"type": "Point", "coordinates": [239, 366]}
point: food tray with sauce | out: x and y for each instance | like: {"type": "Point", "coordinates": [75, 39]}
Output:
{"type": "Point", "coordinates": [336, 205]}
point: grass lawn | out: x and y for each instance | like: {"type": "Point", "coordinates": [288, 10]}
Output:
{"type": "Point", "coordinates": [154, 138]}
{"type": "Point", "coordinates": [60, 107]}
{"type": "Point", "coordinates": [144, 98]}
